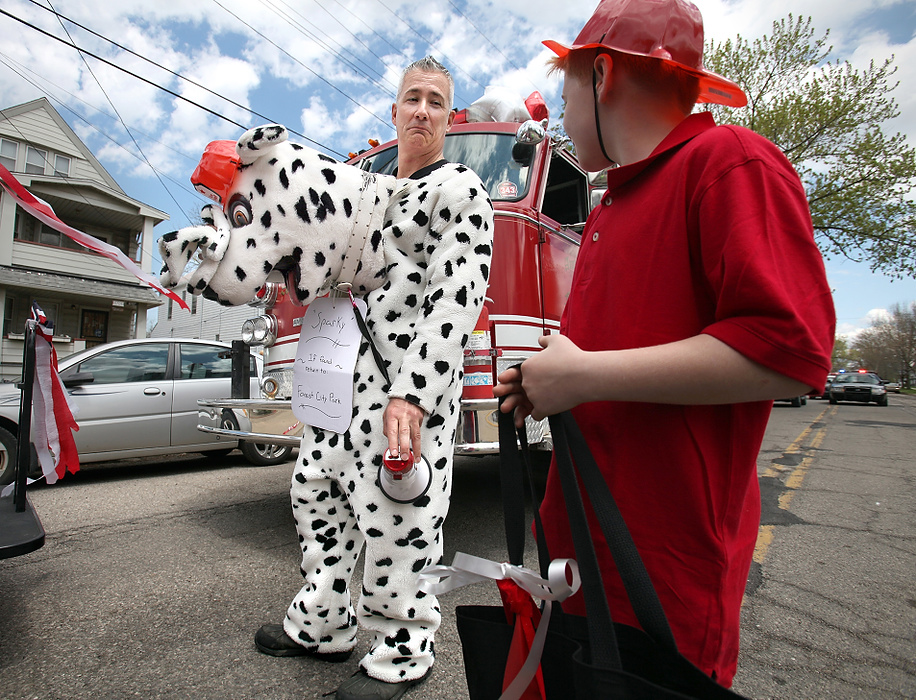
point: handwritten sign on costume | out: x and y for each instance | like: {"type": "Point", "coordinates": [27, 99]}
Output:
{"type": "Point", "coordinates": [325, 361]}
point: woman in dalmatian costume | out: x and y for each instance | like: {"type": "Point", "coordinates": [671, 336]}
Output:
{"type": "Point", "coordinates": [437, 240]}
{"type": "Point", "coordinates": [423, 270]}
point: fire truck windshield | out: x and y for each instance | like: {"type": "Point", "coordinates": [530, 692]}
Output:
{"type": "Point", "coordinates": [502, 164]}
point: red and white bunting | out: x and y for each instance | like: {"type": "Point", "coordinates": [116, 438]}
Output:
{"type": "Point", "coordinates": [42, 211]}
{"type": "Point", "coordinates": [52, 414]}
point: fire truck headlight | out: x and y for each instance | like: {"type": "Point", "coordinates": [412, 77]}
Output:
{"type": "Point", "coordinates": [260, 331]}
{"type": "Point", "coordinates": [270, 387]}
{"type": "Point", "coordinates": [248, 332]}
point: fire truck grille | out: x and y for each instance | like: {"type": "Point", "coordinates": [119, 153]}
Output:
{"type": "Point", "coordinates": [284, 378]}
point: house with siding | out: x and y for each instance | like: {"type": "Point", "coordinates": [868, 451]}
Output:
{"type": "Point", "coordinates": [90, 299]}
{"type": "Point", "coordinates": [207, 320]}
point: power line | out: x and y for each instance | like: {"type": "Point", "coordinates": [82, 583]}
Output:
{"type": "Point", "coordinates": [18, 69]}
{"type": "Point", "coordinates": [148, 244]}
{"type": "Point", "coordinates": [168, 70]}
{"type": "Point", "coordinates": [478, 30]}
{"type": "Point", "coordinates": [428, 42]}
{"type": "Point", "coordinates": [376, 79]}
{"type": "Point", "coordinates": [290, 56]}
{"type": "Point", "coordinates": [355, 36]}
{"type": "Point", "coordinates": [367, 26]}
{"type": "Point", "coordinates": [123, 70]}
{"type": "Point", "coordinates": [120, 119]}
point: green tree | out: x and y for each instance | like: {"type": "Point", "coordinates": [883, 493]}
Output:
{"type": "Point", "coordinates": [840, 355]}
{"type": "Point", "coordinates": [889, 346]}
{"type": "Point", "coordinates": [827, 118]}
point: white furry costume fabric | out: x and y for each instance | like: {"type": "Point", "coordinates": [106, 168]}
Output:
{"type": "Point", "coordinates": [290, 208]}
{"type": "Point", "coordinates": [437, 238]}
{"type": "Point", "coordinates": [425, 268]}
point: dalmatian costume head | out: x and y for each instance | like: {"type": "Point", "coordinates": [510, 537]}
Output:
{"type": "Point", "coordinates": [282, 207]}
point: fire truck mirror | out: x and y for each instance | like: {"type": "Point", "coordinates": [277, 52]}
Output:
{"type": "Point", "coordinates": [530, 132]}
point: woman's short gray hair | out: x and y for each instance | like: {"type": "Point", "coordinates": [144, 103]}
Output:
{"type": "Point", "coordinates": [429, 64]}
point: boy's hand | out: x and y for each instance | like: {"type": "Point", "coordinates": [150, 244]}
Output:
{"type": "Point", "coordinates": [548, 377]}
{"type": "Point", "coordinates": [510, 385]}
{"type": "Point", "coordinates": [543, 386]}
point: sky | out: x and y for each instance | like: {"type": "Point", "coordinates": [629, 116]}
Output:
{"type": "Point", "coordinates": [328, 69]}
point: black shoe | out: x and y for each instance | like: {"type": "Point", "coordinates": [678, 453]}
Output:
{"type": "Point", "coordinates": [361, 686]}
{"type": "Point", "coordinates": [272, 639]}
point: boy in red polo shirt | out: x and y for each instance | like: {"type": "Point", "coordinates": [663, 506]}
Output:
{"type": "Point", "coordinates": [698, 297]}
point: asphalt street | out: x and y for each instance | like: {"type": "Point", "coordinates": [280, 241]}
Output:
{"type": "Point", "coordinates": [156, 574]}
{"type": "Point", "coordinates": [830, 609]}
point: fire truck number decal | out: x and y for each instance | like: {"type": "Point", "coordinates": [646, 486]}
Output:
{"type": "Point", "coordinates": [507, 189]}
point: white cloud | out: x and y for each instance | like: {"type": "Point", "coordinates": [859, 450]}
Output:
{"type": "Point", "coordinates": [317, 122]}
{"type": "Point", "coordinates": [851, 330]}
{"type": "Point", "coordinates": [877, 47]}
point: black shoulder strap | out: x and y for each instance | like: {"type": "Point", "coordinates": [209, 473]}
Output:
{"type": "Point", "coordinates": [375, 353]}
{"type": "Point", "coordinates": [575, 457]}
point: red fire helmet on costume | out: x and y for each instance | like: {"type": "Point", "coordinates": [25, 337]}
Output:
{"type": "Point", "coordinates": [217, 169]}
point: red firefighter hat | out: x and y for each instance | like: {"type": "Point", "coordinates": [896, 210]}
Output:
{"type": "Point", "coordinates": [669, 30]}
{"type": "Point", "coordinates": [217, 169]}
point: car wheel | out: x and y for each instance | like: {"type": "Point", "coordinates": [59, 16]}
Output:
{"type": "Point", "coordinates": [882, 401]}
{"type": "Point", "coordinates": [8, 446]}
{"type": "Point", "coordinates": [228, 423]}
{"type": "Point", "coordinates": [264, 455]}
{"type": "Point", "coordinates": [832, 400]}
{"type": "Point", "coordinates": [796, 402]}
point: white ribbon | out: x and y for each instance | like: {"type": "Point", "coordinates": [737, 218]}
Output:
{"type": "Point", "coordinates": [466, 569]}
{"type": "Point", "coordinates": [48, 418]}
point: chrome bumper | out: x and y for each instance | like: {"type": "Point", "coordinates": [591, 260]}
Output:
{"type": "Point", "coordinates": [273, 422]}
{"type": "Point", "coordinates": [259, 420]}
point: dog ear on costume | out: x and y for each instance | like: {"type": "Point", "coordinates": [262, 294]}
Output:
{"type": "Point", "coordinates": [259, 141]}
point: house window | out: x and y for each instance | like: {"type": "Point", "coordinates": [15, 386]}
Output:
{"type": "Point", "coordinates": [94, 327]}
{"type": "Point", "coordinates": [51, 310]}
{"type": "Point", "coordinates": [61, 166]}
{"type": "Point", "coordinates": [8, 316]}
{"type": "Point", "coordinates": [35, 160]}
{"type": "Point", "coordinates": [50, 236]}
{"type": "Point", "coordinates": [27, 228]}
{"type": "Point", "coordinates": [9, 151]}
{"type": "Point", "coordinates": [169, 314]}
{"type": "Point", "coordinates": [193, 304]}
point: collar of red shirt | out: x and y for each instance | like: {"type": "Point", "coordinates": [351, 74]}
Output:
{"type": "Point", "coordinates": [693, 125]}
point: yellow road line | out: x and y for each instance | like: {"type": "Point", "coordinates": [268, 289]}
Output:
{"type": "Point", "coordinates": [764, 538]}
{"type": "Point", "coordinates": [794, 481]}
{"type": "Point", "coordinates": [776, 469]}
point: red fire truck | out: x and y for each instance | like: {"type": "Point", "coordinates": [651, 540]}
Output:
{"type": "Point", "coordinates": [541, 197]}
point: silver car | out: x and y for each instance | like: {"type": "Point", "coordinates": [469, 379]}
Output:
{"type": "Point", "coordinates": [138, 398]}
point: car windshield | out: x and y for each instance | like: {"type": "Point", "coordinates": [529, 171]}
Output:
{"type": "Point", "coordinates": [858, 379]}
{"type": "Point", "coordinates": [502, 164]}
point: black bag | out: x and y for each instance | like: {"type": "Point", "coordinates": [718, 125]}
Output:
{"type": "Point", "coordinates": [584, 657]}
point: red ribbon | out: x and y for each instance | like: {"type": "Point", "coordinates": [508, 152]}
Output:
{"type": "Point", "coordinates": [525, 615]}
